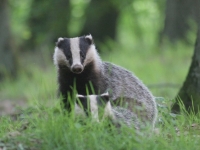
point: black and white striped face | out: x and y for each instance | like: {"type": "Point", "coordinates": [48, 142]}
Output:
{"type": "Point", "coordinates": [94, 105]}
{"type": "Point", "coordinates": [74, 53]}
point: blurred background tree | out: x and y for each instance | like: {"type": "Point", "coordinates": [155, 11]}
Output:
{"type": "Point", "coordinates": [101, 20]}
{"type": "Point", "coordinates": [178, 17]}
{"type": "Point", "coordinates": [8, 63]}
{"type": "Point", "coordinates": [48, 20]}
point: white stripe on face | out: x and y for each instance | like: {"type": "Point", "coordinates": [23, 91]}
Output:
{"type": "Point", "coordinates": [108, 111]}
{"type": "Point", "coordinates": [75, 50]}
{"type": "Point", "coordinates": [59, 58]}
{"type": "Point", "coordinates": [94, 107]}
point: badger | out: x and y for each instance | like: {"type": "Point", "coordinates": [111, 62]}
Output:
{"type": "Point", "coordinates": [100, 104]}
{"type": "Point", "coordinates": [79, 66]}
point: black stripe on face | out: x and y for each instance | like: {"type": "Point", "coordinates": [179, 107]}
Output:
{"type": "Point", "coordinates": [101, 102]}
{"type": "Point", "coordinates": [65, 46]}
{"type": "Point", "coordinates": [84, 45]}
{"type": "Point", "coordinates": [85, 104]}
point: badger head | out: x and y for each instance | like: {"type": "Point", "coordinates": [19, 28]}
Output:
{"type": "Point", "coordinates": [75, 53]}
{"type": "Point", "coordinates": [95, 105]}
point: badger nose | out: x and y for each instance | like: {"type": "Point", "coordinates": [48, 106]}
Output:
{"type": "Point", "coordinates": [77, 69]}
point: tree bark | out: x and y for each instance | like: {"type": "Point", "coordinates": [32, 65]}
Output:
{"type": "Point", "coordinates": [101, 20]}
{"type": "Point", "coordinates": [190, 90]}
{"type": "Point", "coordinates": [178, 13]}
{"type": "Point", "coordinates": [8, 63]}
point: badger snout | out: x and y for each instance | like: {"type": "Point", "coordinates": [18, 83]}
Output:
{"type": "Point", "coordinates": [77, 68]}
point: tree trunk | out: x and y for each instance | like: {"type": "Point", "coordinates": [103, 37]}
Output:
{"type": "Point", "coordinates": [190, 90]}
{"type": "Point", "coordinates": [101, 20]}
{"type": "Point", "coordinates": [48, 21]}
{"type": "Point", "coordinates": [178, 13]}
{"type": "Point", "coordinates": [7, 58]}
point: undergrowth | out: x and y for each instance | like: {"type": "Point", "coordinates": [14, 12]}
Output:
{"type": "Point", "coordinates": [42, 127]}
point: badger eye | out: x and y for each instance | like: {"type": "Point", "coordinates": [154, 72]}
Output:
{"type": "Point", "coordinates": [69, 57]}
{"type": "Point", "coordinates": [82, 55]}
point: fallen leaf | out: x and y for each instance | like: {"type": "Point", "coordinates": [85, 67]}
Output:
{"type": "Point", "coordinates": [194, 125]}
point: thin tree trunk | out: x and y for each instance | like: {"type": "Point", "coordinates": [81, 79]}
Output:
{"type": "Point", "coordinates": [101, 20]}
{"type": "Point", "coordinates": [190, 90]}
{"type": "Point", "coordinates": [48, 20]}
{"type": "Point", "coordinates": [7, 58]}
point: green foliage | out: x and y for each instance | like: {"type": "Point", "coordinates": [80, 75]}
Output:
{"type": "Point", "coordinates": [19, 13]}
{"type": "Point", "coordinates": [41, 21]}
{"type": "Point", "coordinates": [77, 19]}
{"type": "Point", "coordinates": [141, 22]}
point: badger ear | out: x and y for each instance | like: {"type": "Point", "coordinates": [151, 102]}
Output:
{"type": "Point", "coordinates": [105, 94]}
{"type": "Point", "coordinates": [81, 101]}
{"type": "Point", "coordinates": [59, 41]}
{"type": "Point", "coordinates": [80, 98]}
{"type": "Point", "coordinates": [89, 39]}
{"type": "Point", "coordinates": [105, 97]}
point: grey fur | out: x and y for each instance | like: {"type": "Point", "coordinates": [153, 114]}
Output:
{"type": "Point", "coordinates": [125, 89]}
{"type": "Point", "coordinates": [126, 117]}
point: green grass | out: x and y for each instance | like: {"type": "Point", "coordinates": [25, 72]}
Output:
{"type": "Point", "coordinates": [47, 128]}
{"type": "Point", "coordinates": [43, 126]}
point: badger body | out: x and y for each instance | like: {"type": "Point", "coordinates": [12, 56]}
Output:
{"type": "Point", "coordinates": [80, 66]}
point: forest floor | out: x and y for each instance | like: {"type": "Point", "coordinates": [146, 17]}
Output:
{"type": "Point", "coordinates": [11, 107]}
